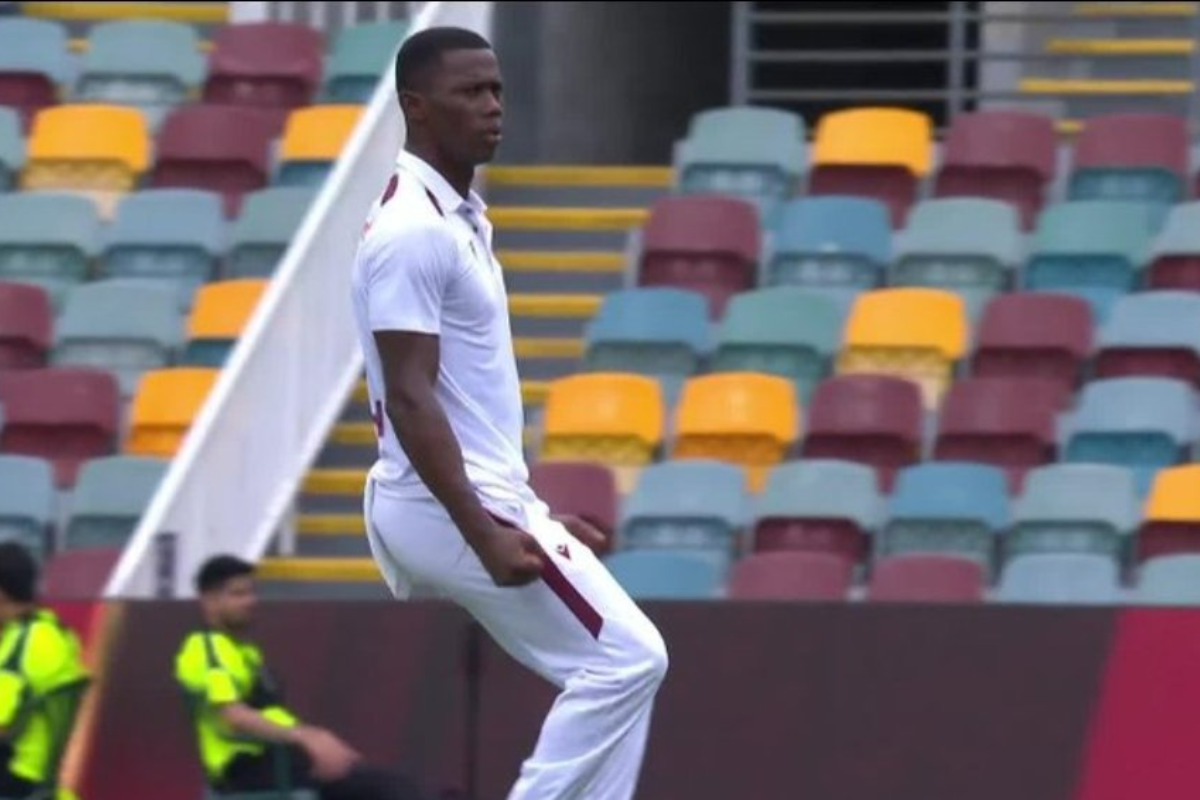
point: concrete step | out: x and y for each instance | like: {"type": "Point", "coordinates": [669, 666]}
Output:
{"type": "Point", "coordinates": [1106, 87]}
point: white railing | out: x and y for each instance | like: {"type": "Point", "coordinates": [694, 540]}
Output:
{"type": "Point", "coordinates": [233, 483]}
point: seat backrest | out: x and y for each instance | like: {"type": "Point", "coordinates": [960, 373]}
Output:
{"type": "Point", "coordinates": [963, 226]}
{"type": "Point", "coordinates": [166, 403]}
{"type": "Point", "coordinates": [12, 148]}
{"type": "Point", "coordinates": [995, 139]}
{"type": "Point", "coordinates": [1034, 333]}
{"type": "Point", "coordinates": [121, 311]}
{"type": "Point", "coordinates": [260, 236]}
{"type": "Point", "coordinates": [747, 121]}
{"type": "Point", "coordinates": [1162, 319]}
{"type": "Point", "coordinates": [36, 46]}
{"type": "Point", "coordinates": [1072, 493]}
{"type": "Point", "coordinates": [746, 417]}
{"type": "Point", "coordinates": [28, 494]}
{"type": "Point", "coordinates": [688, 490]}
{"type": "Point", "coordinates": [948, 490]}
{"type": "Point", "coordinates": [867, 405]}
{"type": "Point", "coordinates": [703, 225]}
{"type": "Point", "coordinates": [581, 488]}
{"type": "Point", "coordinates": [222, 309]}
{"type": "Point", "coordinates": [835, 225]}
{"type": "Point", "coordinates": [1121, 228]}
{"type": "Point", "coordinates": [1180, 235]}
{"type": "Point", "coordinates": [42, 220]}
{"type": "Point", "coordinates": [1175, 495]}
{"type": "Point", "coordinates": [26, 326]}
{"type": "Point", "coordinates": [1060, 578]}
{"type": "Point", "coordinates": [608, 417]}
{"type": "Point", "coordinates": [663, 575]}
{"type": "Point", "coordinates": [652, 330]}
{"type": "Point", "coordinates": [144, 48]}
{"type": "Point", "coordinates": [109, 499]}
{"type": "Point", "coordinates": [790, 576]}
{"type": "Point", "coordinates": [927, 578]}
{"type": "Point", "coordinates": [875, 137]}
{"type": "Point", "coordinates": [169, 218]}
{"type": "Point", "coordinates": [1133, 140]}
{"type": "Point", "coordinates": [1137, 405]}
{"type": "Point", "coordinates": [821, 489]}
{"type": "Point", "coordinates": [361, 53]}
{"type": "Point", "coordinates": [1024, 407]}
{"type": "Point", "coordinates": [911, 318]}
{"type": "Point", "coordinates": [318, 133]}
{"type": "Point", "coordinates": [265, 63]}
{"type": "Point", "coordinates": [91, 133]}
{"type": "Point", "coordinates": [1170, 580]}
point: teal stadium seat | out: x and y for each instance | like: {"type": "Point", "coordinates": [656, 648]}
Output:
{"type": "Point", "coordinates": [26, 501]}
{"type": "Point", "coordinates": [361, 54]}
{"type": "Point", "coordinates": [694, 506]}
{"type": "Point", "coordinates": [12, 148]}
{"type": "Point", "coordinates": [48, 240]}
{"type": "Point", "coordinates": [666, 575]}
{"type": "Point", "coordinates": [174, 236]}
{"type": "Point", "coordinates": [1175, 254]}
{"type": "Point", "coordinates": [1170, 581]}
{"type": "Point", "coordinates": [124, 327]}
{"type": "Point", "coordinates": [651, 331]}
{"type": "Point", "coordinates": [1152, 333]}
{"type": "Point", "coordinates": [1060, 579]}
{"type": "Point", "coordinates": [969, 246]}
{"type": "Point", "coordinates": [152, 64]}
{"type": "Point", "coordinates": [834, 243]}
{"type": "Point", "coordinates": [34, 62]}
{"type": "Point", "coordinates": [1142, 424]}
{"type": "Point", "coordinates": [109, 499]}
{"type": "Point", "coordinates": [1094, 249]}
{"type": "Point", "coordinates": [262, 233]}
{"type": "Point", "coordinates": [784, 330]}
{"type": "Point", "coordinates": [947, 507]}
{"type": "Point", "coordinates": [1075, 508]}
{"type": "Point", "coordinates": [756, 154]}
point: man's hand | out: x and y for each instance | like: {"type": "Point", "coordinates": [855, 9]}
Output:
{"type": "Point", "coordinates": [332, 759]}
{"type": "Point", "coordinates": [588, 534]}
{"type": "Point", "coordinates": [510, 555]}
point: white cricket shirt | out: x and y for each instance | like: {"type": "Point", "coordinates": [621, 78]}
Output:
{"type": "Point", "coordinates": [425, 264]}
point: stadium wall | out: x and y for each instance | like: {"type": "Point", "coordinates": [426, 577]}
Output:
{"type": "Point", "coordinates": [763, 701]}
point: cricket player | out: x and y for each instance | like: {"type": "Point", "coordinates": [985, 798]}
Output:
{"type": "Point", "coordinates": [447, 503]}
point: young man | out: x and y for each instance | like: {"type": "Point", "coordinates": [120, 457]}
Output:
{"type": "Point", "coordinates": [240, 711]}
{"type": "Point", "coordinates": [448, 505]}
{"type": "Point", "coordinates": [38, 657]}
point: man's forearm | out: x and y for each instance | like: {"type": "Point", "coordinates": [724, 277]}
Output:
{"type": "Point", "coordinates": [248, 722]}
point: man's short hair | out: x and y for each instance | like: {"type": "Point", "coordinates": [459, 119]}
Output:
{"type": "Point", "coordinates": [18, 572]}
{"type": "Point", "coordinates": [423, 50]}
{"type": "Point", "coordinates": [220, 570]}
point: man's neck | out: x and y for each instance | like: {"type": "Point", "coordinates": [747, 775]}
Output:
{"type": "Point", "coordinates": [458, 176]}
{"type": "Point", "coordinates": [18, 612]}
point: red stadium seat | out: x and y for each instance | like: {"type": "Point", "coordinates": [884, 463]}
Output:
{"type": "Point", "coordinates": [581, 489]}
{"type": "Point", "coordinates": [790, 576]}
{"type": "Point", "coordinates": [707, 243]}
{"type": "Point", "coordinates": [220, 148]}
{"type": "Point", "coordinates": [927, 579]}
{"type": "Point", "coordinates": [1005, 422]}
{"type": "Point", "coordinates": [1155, 145]}
{"type": "Point", "coordinates": [66, 416]}
{"type": "Point", "coordinates": [79, 574]}
{"type": "Point", "coordinates": [1034, 335]}
{"type": "Point", "coordinates": [1003, 155]}
{"type": "Point", "coordinates": [872, 419]}
{"type": "Point", "coordinates": [26, 326]}
{"type": "Point", "coordinates": [265, 64]}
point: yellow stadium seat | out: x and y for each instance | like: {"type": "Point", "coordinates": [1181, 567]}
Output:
{"type": "Point", "coordinates": [166, 402]}
{"type": "Point", "coordinates": [746, 418]}
{"type": "Point", "coordinates": [613, 418]}
{"type": "Point", "coordinates": [222, 309]}
{"type": "Point", "coordinates": [915, 333]}
{"type": "Point", "coordinates": [876, 137]}
{"type": "Point", "coordinates": [90, 148]}
{"type": "Point", "coordinates": [318, 133]}
{"type": "Point", "coordinates": [1175, 496]}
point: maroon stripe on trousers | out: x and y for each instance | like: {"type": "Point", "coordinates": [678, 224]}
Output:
{"type": "Point", "coordinates": [562, 587]}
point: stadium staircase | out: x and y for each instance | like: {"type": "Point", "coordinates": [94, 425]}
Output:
{"type": "Point", "coordinates": [561, 234]}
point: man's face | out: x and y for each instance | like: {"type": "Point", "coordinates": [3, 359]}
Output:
{"type": "Point", "coordinates": [232, 606]}
{"type": "Point", "coordinates": [462, 107]}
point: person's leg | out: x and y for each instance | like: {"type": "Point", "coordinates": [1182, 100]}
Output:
{"type": "Point", "coordinates": [576, 627]}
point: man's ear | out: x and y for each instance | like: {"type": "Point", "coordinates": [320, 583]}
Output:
{"type": "Point", "coordinates": [413, 105]}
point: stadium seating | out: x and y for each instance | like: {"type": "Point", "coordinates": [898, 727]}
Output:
{"type": "Point", "coordinates": [221, 312]}
{"type": "Point", "coordinates": [923, 578]}
{"type": "Point", "coordinates": [818, 505]}
{"type": "Point", "coordinates": [1152, 333]}
{"type": "Point", "coordinates": [696, 507]}
{"type": "Point", "coordinates": [610, 418]}
{"type": "Point", "coordinates": [1170, 580]}
{"type": "Point", "coordinates": [34, 62]}
{"type": "Point", "coordinates": [12, 148]}
{"type": "Point", "coordinates": [1171, 523]}
{"type": "Point", "coordinates": [663, 575]}
{"type": "Point", "coordinates": [1074, 508]}
{"type": "Point", "coordinates": [174, 236]}
{"type": "Point", "coordinates": [875, 420]}
{"type": "Point", "coordinates": [79, 574]}
{"type": "Point", "coordinates": [707, 243]}
{"type": "Point", "coordinates": [955, 508]}
{"type": "Point", "coordinates": [1006, 422]}
{"type": "Point", "coordinates": [166, 402]}
{"type": "Point", "coordinates": [1002, 155]}
{"type": "Point", "coordinates": [27, 502]}
{"type": "Point", "coordinates": [873, 152]}
{"type": "Point", "coordinates": [109, 499]}
{"type": "Point", "coordinates": [968, 246]}
{"type": "Point", "coordinates": [122, 327]}
{"type": "Point", "coordinates": [261, 235]}
{"type": "Point", "coordinates": [919, 334]}
{"type": "Point", "coordinates": [65, 415]}
{"type": "Point", "coordinates": [269, 64]}
{"type": "Point", "coordinates": [650, 331]}
{"type": "Point", "coordinates": [47, 239]}
{"type": "Point", "coordinates": [1175, 257]}
{"type": "Point", "coordinates": [93, 148]}
{"type": "Point", "coordinates": [359, 55]}
{"type": "Point", "coordinates": [26, 326]}
{"type": "Point", "coordinates": [790, 576]}
{"type": "Point", "coordinates": [1143, 424]}
{"type": "Point", "coordinates": [1034, 335]}
{"type": "Point", "coordinates": [784, 331]}
{"type": "Point", "coordinates": [582, 489]}
{"type": "Point", "coordinates": [1131, 157]}
{"type": "Point", "coordinates": [1060, 579]}
{"type": "Point", "coordinates": [312, 141]}
{"type": "Point", "coordinates": [1094, 249]}
{"type": "Point", "coordinates": [744, 418]}
{"type": "Point", "coordinates": [841, 244]}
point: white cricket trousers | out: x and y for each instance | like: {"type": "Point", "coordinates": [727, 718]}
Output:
{"type": "Point", "coordinates": [576, 627]}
